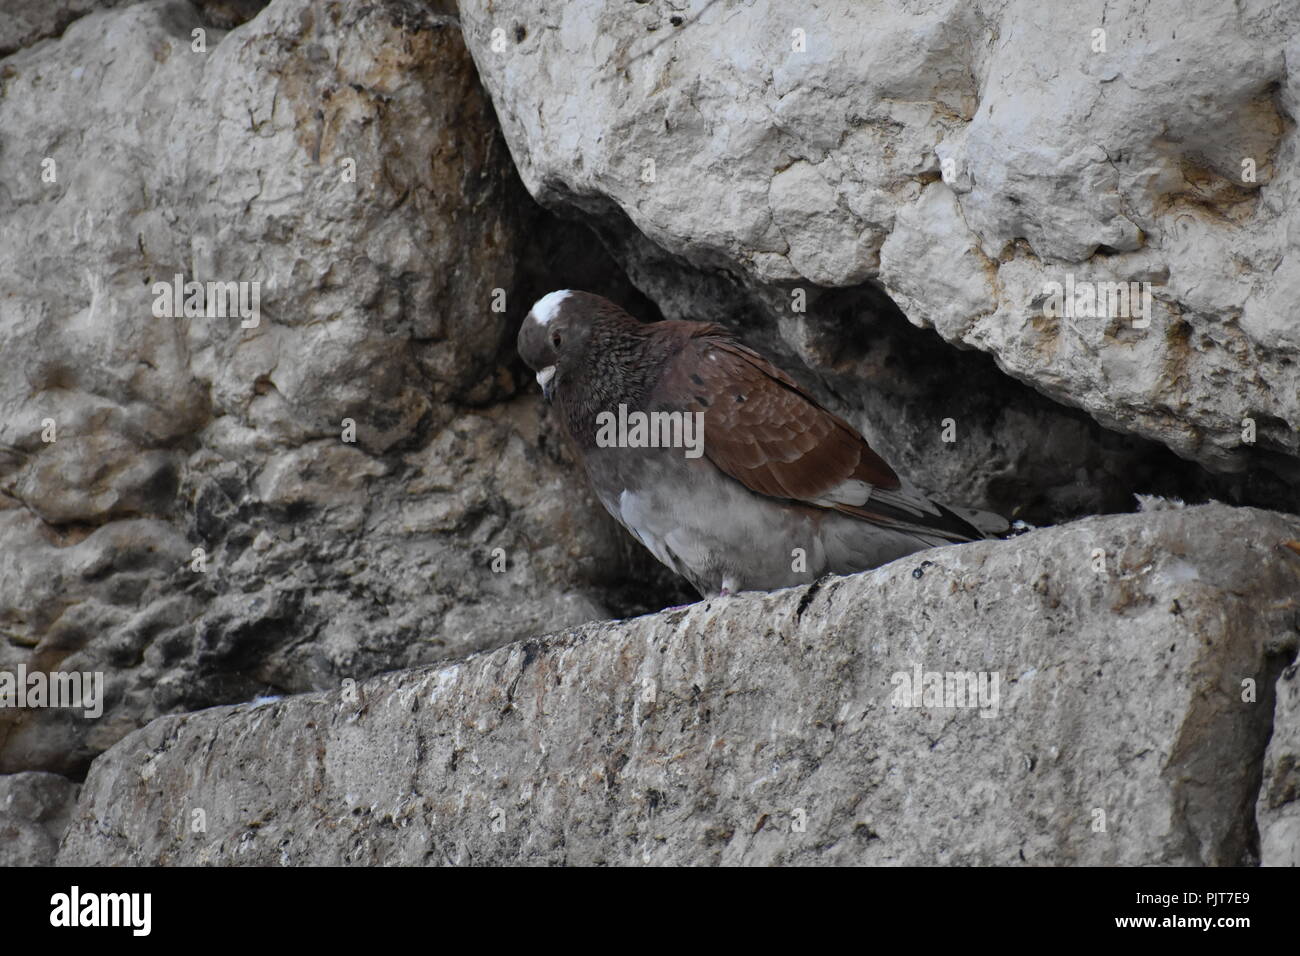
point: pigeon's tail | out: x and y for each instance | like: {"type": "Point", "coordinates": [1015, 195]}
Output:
{"type": "Point", "coordinates": [988, 524]}
{"type": "Point", "coordinates": [893, 524]}
{"type": "Point", "coordinates": [906, 509]}
{"type": "Point", "coordinates": [857, 541]}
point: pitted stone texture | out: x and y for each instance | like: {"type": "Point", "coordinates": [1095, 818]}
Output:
{"type": "Point", "coordinates": [182, 503]}
{"type": "Point", "coordinates": [35, 809]}
{"type": "Point", "coordinates": [766, 729]}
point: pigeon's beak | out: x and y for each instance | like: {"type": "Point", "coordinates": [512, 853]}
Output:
{"type": "Point", "coordinates": [546, 379]}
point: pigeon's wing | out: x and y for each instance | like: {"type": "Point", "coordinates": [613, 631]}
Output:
{"type": "Point", "coordinates": [766, 432]}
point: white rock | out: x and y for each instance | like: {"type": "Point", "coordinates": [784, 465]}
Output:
{"type": "Point", "coordinates": [1125, 155]}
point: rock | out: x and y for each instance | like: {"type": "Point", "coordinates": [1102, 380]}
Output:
{"type": "Point", "coordinates": [964, 158]}
{"type": "Point", "coordinates": [35, 809]}
{"type": "Point", "coordinates": [354, 476]}
{"type": "Point", "coordinates": [29, 21]}
{"type": "Point", "coordinates": [1279, 796]}
{"type": "Point", "coordinates": [227, 14]}
{"type": "Point", "coordinates": [208, 509]}
{"type": "Point", "coordinates": [769, 729]}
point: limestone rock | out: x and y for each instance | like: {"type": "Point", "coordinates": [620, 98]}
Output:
{"type": "Point", "coordinates": [766, 729]}
{"type": "Point", "coordinates": [964, 156]}
{"type": "Point", "coordinates": [207, 509]}
{"type": "Point", "coordinates": [26, 22]}
{"type": "Point", "coordinates": [1279, 796]}
{"type": "Point", "coordinates": [358, 478]}
{"type": "Point", "coordinates": [35, 809]}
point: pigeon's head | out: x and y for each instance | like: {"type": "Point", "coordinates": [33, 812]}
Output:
{"type": "Point", "coordinates": [555, 335]}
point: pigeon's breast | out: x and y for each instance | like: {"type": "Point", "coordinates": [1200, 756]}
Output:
{"type": "Point", "coordinates": [706, 526]}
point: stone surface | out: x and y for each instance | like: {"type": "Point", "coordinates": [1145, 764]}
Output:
{"type": "Point", "coordinates": [1279, 797]}
{"type": "Point", "coordinates": [182, 511]}
{"type": "Point", "coordinates": [26, 22]}
{"type": "Point", "coordinates": [962, 155]}
{"type": "Point", "coordinates": [765, 729]}
{"type": "Point", "coordinates": [127, 440]}
{"type": "Point", "coordinates": [35, 809]}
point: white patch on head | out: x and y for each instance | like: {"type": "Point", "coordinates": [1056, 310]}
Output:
{"type": "Point", "coordinates": [545, 375]}
{"type": "Point", "coordinates": [548, 306]}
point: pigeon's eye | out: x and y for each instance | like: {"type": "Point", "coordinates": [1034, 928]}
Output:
{"type": "Point", "coordinates": [555, 339]}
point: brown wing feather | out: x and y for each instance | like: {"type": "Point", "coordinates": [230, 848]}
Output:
{"type": "Point", "coordinates": [765, 431]}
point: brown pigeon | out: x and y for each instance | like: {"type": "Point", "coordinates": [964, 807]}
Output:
{"type": "Point", "coordinates": [716, 460]}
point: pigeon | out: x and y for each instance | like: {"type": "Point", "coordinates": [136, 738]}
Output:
{"type": "Point", "coordinates": [717, 461]}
